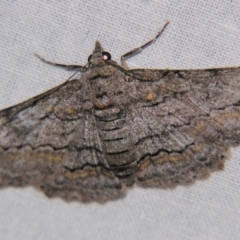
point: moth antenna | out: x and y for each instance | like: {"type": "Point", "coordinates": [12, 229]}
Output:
{"type": "Point", "coordinates": [66, 66]}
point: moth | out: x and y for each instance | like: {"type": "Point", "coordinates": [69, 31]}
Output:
{"type": "Point", "coordinates": [93, 136]}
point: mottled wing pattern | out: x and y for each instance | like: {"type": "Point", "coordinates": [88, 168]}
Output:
{"type": "Point", "coordinates": [191, 120]}
{"type": "Point", "coordinates": [51, 142]}
{"type": "Point", "coordinates": [89, 138]}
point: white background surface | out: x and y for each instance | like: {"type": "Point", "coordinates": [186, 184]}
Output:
{"type": "Point", "coordinates": [201, 34]}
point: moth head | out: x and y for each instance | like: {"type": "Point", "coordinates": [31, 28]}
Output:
{"type": "Point", "coordinates": [99, 54]}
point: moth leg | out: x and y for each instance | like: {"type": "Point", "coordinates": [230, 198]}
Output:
{"type": "Point", "coordinates": [67, 66]}
{"type": "Point", "coordinates": [139, 49]}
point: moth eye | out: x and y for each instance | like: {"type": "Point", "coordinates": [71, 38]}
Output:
{"type": "Point", "coordinates": [106, 56]}
{"type": "Point", "coordinates": [89, 58]}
